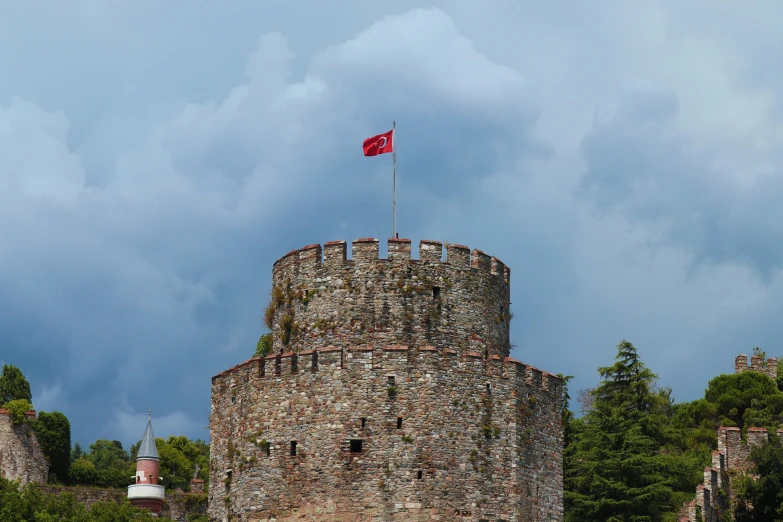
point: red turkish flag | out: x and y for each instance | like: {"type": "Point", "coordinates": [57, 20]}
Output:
{"type": "Point", "coordinates": [380, 144]}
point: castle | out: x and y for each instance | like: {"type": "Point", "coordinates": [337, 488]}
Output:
{"type": "Point", "coordinates": [389, 395]}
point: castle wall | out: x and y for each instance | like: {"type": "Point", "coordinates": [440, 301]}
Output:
{"type": "Point", "coordinates": [714, 495]}
{"type": "Point", "coordinates": [480, 438]}
{"type": "Point", "coordinates": [21, 458]}
{"type": "Point", "coordinates": [321, 298]}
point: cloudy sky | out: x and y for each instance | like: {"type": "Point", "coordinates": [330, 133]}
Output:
{"type": "Point", "coordinates": [624, 159]}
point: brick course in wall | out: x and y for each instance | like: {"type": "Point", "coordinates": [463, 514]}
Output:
{"type": "Point", "coordinates": [393, 412]}
{"type": "Point", "coordinates": [21, 458]}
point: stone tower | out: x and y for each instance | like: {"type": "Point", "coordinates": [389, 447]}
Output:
{"type": "Point", "coordinates": [146, 493]}
{"type": "Point", "coordinates": [389, 395]}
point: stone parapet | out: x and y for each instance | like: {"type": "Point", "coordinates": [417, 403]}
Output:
{"type": "Point", "coordinates": [320, 297]}
{"type": "Point", "coordinates": [757, 364]}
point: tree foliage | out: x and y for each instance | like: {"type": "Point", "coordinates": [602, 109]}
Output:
{"type": "Point", "coordinates": [18, 409]}
{"type": "Point", "coordinates": [28, 504]}
{"type": "Point", "coordinates": [13, 385]}
{"type": "Point", "coordinates": [616, 469]}
{"type": "Point", "coordinates": [264, 345]}
{"type": "Point", "coordinates": [761, 499]}
{"type": "Point", "coordinates": [53, 432]}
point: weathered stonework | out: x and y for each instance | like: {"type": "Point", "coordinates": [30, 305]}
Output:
{"type": "Point", "coordinates": [757, 364]}
{"type": "Point", "coordinates": [405, 407]}
{"type": "Point", "coordinates": [320, 298]}
{"type": "Point", "coordinates": [714, 495]}
{"type": "Point", "coordinates": [21, 458]}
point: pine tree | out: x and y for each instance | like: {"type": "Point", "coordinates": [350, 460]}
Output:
{"type": "Point", "coordinates": [615, 470]}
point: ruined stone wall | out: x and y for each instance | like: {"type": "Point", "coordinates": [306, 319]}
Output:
{"type": "Point", "coordinates": [443, 436]}
{"type": "Point", "coordinates": [715, 494]}
{"type": "Point", "coordinates": [757, 364]}
{"type": "Point", "coordinates": [321, 298]}
{"type": "Point", "coordinates": [21, 458]}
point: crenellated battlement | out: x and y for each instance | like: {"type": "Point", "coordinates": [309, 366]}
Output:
{"type": "Point", "coordinates": [757, 364]}
{"type": "Point", "coordinates": [389, 394]}
{"type": "Point", "coordinates": [334, 254]}
{"type": "Point", "coordinates": [715, 494]}
{"type": "Point", "coordinates": [397, 357]}
{"type": "Point", "coordinates": [320, 296]}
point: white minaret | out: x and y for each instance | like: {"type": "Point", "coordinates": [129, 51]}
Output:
{"type": "Point", "coordinates": [146, 493]}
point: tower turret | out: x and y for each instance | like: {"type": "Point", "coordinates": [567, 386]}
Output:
{"type": "Point", "coordinates": [389, 394]}
{"type": "Point", "coordinates": [146, 493]}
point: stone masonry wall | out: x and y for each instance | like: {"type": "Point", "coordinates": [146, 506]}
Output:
{"type": "Point", "coordinates": [757, 364]}
{"type": "Point", "coordinates": [443, 437]}
{"type": "Point", "coordinates": [21, 458]}
{"type": "Point", "coordinates": [321, 298]}
{"type": "Point", "coordinates": [177, 506]}
{"type": "Point", "coordinates": [389, 396]}
{"type": "Point", "coordinates": [714, 495]}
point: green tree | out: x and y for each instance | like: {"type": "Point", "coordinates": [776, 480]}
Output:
{"type": "Point", "coordinates": [18, 409]}
{"type": "Point", "coordinates": [13, 385]}
{"type": "Point", "coordinates": [761, 499]}
{"type": "Point", "coordinates": [29, 504]}
{"type": "Point", "coordinates": [83, 472]}
{"type": "Point", "coordinates": [615, 468]}
{"type": "Point", "coordinates": [264, 345]}
{"type": "Point", "coordinates": [77, 452]}
{"type": "Point", "coordinates": [53, 432]}
{"type": "Point", "coordinates": [107, 454]}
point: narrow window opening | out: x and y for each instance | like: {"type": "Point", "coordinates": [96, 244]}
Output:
{"type": "Point", "coordinates": [436, 292]}
{"type": "Point", "coordinates": [488, 388]}
{"type": "Point", "coordinates": [420, 474]}
{"type": "Point", "coordinates": [293, 448]}
{"type": "Point", "coordinates": [391, 381]}
{"type": "Point", "coordinates": [364, 421]}
{"type": "Point", "coordinates": [486, 353]}
{"type": "Point", "coordinates": [399, 423]}
{"type": "Point", "coordinates": [268, 449]}
{"type": "Point", "coordinates": [356, 445]}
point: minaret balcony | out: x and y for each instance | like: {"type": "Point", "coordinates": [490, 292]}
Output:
{"type": "Point", "coordinates": [141, 491]}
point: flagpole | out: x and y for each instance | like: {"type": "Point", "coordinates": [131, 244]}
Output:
{"type": "Point", "coordinates": [394, 197]}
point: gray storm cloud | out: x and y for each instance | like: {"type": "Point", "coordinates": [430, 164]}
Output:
{"type": "Point", "coordinates": [625, 163]}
